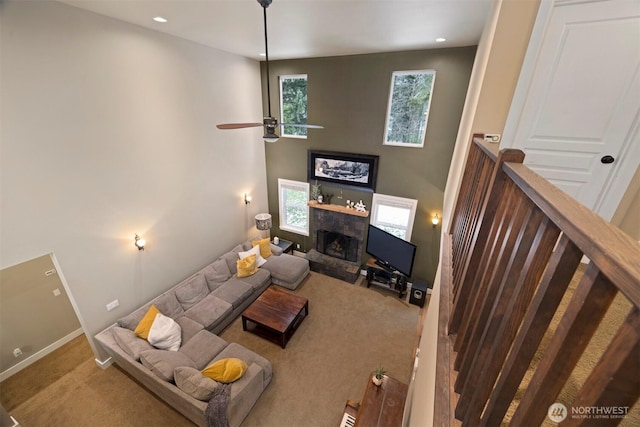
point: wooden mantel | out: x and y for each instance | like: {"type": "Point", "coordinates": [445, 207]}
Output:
{"type": "Point", "coordinates": [337, 208]}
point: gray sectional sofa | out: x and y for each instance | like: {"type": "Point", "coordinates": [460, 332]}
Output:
{"type": "Point", "coordinates": [203, 305]}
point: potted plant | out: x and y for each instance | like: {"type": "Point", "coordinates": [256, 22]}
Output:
{"type": "Point", "coordinates": [378, 375]}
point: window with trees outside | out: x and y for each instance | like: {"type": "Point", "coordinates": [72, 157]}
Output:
{"type": "Point", "coordinates": [293, 105]}
{"type": "Point", "coordinates": [293, 197]}
{"type": "Point", "coordinates": [408, 108]}
{"type": "Point", "coordinates": [393, 214]}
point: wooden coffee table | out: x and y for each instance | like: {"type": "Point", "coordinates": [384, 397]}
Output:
{"type": "Point", "coordinates": [275, 315]}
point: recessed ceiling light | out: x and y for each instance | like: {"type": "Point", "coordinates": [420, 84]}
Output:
{"type": "Point", "coordinates": [160, 19]}
{"type": "Point", "coordinates": [440, 40]}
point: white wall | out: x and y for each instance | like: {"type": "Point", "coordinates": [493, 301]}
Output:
{"type": "Point", "coordinates": [108, 130]}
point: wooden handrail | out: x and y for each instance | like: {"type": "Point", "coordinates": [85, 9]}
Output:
{"type": "Point", "coordinates": [515, 243]}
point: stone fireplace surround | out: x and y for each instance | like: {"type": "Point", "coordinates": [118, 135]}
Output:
{"type": "Point", "coordinates": [334, 218]}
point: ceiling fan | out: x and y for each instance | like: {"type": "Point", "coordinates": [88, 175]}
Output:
{"type": "Point", "coordinates": [270, 123]}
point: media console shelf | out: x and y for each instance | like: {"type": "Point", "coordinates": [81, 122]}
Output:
{"type": "Point", "coordinates": [391, 280]}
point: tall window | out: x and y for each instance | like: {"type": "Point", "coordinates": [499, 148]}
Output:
{"type": "Point", "coordinates": [408, 108]}
{"type": "Point", "coordinates": [293, 104]}
{"type": "Point", "coordinates": [294, 211]}
{"type": "Point", "coordinates": [394, 215]}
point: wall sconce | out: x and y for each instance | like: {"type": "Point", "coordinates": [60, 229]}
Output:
{"type": "Point", "coordinates": [140, 242]}
{"type": "Point", "coordinates": [435, 220]}
{"type": "Point", "coordinates": [247, 199]}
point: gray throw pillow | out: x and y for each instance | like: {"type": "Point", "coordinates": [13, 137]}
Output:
{"type": "Point", "coordinates": [196, 385]}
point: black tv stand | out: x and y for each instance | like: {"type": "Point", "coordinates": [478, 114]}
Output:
{"type": "Point", "coordinates": [383, 276]}
{"type": "Point", "coordinates": [385, 266]}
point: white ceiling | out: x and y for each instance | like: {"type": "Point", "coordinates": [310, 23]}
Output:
{"type": "Point", "coordinates": [306, 28]}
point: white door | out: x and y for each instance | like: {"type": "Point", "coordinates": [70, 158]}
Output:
{"type": "Point", "coordinates": [576, 111]}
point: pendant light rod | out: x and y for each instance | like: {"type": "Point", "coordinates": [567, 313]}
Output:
{"type": "Point", "coordinates": [266, 52]}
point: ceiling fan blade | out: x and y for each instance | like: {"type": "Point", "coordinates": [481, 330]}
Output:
{"type": "Point", "coordinates": [238, 125]}
{"type": "Point", "coordinates": [302, 126]}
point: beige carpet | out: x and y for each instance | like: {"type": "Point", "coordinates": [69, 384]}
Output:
{"type": "Point", "coordinates": [350, 330]}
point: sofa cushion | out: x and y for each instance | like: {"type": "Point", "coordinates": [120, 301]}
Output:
{"type": "Point", "coordinates": [241, 247]}
{"type": "Point", "coordinates": [188, 327]}
{"type": "Point", "coordinates": [247, 266]}
{"type": "Point", "coordinates": [196, 385]}
{"type": "Point", "coordinates": [129, 342]}
{"type": "Point", "coordinates": [230, 258]}
{"type": "Point", "coordinates": [168, 305]}
{"type": "Point", "coordinates": [203, 348]}
{"type": "Point", "coordinates": [132, 320]}
{"type": "Point", "coordinates": [234, 292]}
{"type": "Point", "coordinates": [191, 291]}
{"type": "Point", "coordinates": [256, 281]}
{"type": "Point", "coordinates": [209, 311]}
{"type": "Point", "coordinates": [287, 269]}
{"type": "Point", "coordinates": [226, 370]}
{"type": "Point", "coordinates": [253, 251]}
{"type": "Point", "coordinates": [163, 363]}
{"type": "Point", "coordinates": [216, 274]}
{"type": "Point", "coordinates": [265, 247]}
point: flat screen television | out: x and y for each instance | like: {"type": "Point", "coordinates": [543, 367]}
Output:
{"type": "Point", "coordinates": [391, 252]}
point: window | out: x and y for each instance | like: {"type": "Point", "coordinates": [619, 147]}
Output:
{"type": "Point", "coordinates": [394, 215]}
{"type": "Point", "coordinates": [294, 211]}
{"type": "Point", "coordinates": [408, 109]}
{"type": "Point", "coordinates": [293, 104]}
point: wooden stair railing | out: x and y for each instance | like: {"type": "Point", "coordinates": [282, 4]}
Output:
{"type": "Point", "coordinates": [514, 246]}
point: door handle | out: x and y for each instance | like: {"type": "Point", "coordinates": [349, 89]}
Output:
{"type": "Point", "coordinates": [607, 159]}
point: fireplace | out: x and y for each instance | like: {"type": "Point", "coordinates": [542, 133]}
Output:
{"type": "Point", "coordinates": [337, 235]}
{"type": "Point", "coordinates": [337, 245]}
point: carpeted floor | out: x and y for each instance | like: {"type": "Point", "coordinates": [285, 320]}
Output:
{"type": "Point", "coordinates": [350, 331]}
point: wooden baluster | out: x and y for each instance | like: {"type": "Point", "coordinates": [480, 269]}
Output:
{"type": "Point", "coordinates": [514, 306]}
{"type": "Point", "coordinates": [613, 381]}
{"type": "Point", "coordinates": [582, 317]}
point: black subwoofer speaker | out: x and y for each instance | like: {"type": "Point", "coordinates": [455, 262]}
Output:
{"type": "Point", "coordinates": [418, 293]}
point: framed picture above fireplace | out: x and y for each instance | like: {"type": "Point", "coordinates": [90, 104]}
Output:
{"type": "Point", "coordinates": [353, 170]}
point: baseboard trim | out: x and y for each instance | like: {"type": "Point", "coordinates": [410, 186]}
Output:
{"type": "Point", "coordinates": [40, 354]}
{"type": "Point", "coordinates": [103, 364]}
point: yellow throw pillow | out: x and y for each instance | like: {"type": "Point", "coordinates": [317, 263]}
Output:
{"type": "Point", "coordinates": [226, 370]}
{"type": "Point", "coordinates": [143, 328]}
{"type": "Point", "coordinates": [265, 247]}
{"type": "Point", "coordinates": [247, 266]}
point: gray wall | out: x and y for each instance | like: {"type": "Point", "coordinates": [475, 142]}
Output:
{"type": "Point", "coordinates": [348, 95]}
{"type": "Point", "coordinates": [108, 129]}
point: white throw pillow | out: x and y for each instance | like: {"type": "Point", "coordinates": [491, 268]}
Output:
{"type": "Point", "coordinates": [165, 333]}
{"type": "Point", "coordinates": [253, 251]}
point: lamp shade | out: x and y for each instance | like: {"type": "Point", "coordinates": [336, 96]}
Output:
{"type": "Point", "coordinates": [263, 221]}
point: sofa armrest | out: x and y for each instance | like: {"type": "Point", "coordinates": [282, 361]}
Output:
{"type": "Point", "coordinates": [276, 250]}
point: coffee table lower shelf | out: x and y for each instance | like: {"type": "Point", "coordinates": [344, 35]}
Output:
{"type": "Point", "coordinates": [272, 335]}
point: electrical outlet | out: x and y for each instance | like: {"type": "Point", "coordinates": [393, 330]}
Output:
{"type": "Point", "coordinates": [113, 304]}
{"type": "Point", "coordinates": [56, 292]}
{"type": "Point", "coordinates": [492, 137]}
{"type": "Point", "coordinates": [17, 352]}
{"type": "Point", "coordinates": [297, 245]}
